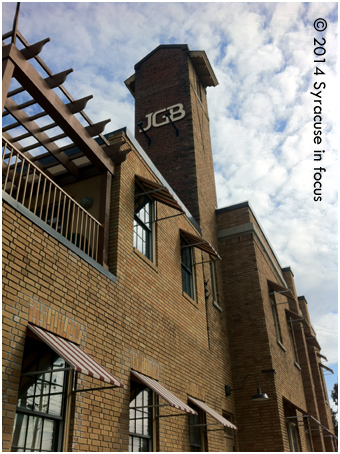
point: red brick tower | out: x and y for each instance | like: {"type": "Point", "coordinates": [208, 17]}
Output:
{"type": "Point", "coordinates": [169, 87]}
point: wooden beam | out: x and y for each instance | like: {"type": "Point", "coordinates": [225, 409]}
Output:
{"type": "Point", "coordinates": [52, 81]}
{"type": "Point", "coordinates": [104, 218]}
{"type": "Point", "coordinates": [7, 72]}
{"type": "Point", "coordinates": [35, 49]}
{"type": "Point", "coordinates": [35, 85]}
{"type": "Point", "coordinates": [74, 107]}
{"type": "Point", "coordinates": [40, 136]}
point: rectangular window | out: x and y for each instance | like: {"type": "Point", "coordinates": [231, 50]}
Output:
{"type": "Point", "coordinates": [143, 225]}
{"type": "Point", "coordinates": [141, 418]}
{"type": "Point", "coordinates": [293, 435]}
{"type": "Point", "coordinates": [229, 434]}
{"type": "Point", "coordinates": [275, 317]}
{"type": "Point", "coordinates": [292, 339]}
{"type": "Point", "coordinates": [187, 269]}
{"type": "Point", "coordinates": [39, 420]}
{"type": "Point", "coordinates": [292, 423]}
{"type": "Point", "coordinates": [213, 280]}
{"type": "Point", "coordinates": [307, 433]}
{"type": "Point", "coordinates": [197, 431]}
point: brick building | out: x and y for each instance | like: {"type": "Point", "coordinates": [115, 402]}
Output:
{"type": "Point", "coordinates": [136, 315]}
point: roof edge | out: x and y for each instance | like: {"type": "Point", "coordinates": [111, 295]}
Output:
{"type": "Point", "coordinates": [162, 46]}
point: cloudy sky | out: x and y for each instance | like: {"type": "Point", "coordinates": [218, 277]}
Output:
{"type": "Point", "coordinates": [261, 113]}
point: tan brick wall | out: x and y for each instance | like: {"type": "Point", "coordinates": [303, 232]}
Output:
{"type": "Point", "coordinates": [141, 321]}
{"type": "Point", "coordinates": [248, 264]}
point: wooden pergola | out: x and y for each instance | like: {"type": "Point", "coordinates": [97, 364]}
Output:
{"type": "Point", "coordinates": [49, 127]}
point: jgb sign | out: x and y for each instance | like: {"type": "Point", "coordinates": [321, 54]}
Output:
{"type": "Point", "coordinates": [163, 116]}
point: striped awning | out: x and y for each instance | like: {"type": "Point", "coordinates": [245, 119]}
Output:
{"type": "Point", "coordinates": [203, 406]}
{"type": "Point", "coordinates": [163, 392]}
{"type": "Point", "coordinates": [75, 357]}
{"type": "Point", "coordinates": [199, 242]}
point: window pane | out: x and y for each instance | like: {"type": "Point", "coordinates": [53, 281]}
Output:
{"type": "Point", "coordinates": [144, 445]}
{"type": "Point", "coordinates": [49, 435]}
{"type": "Point", "coordinates": [26, 393]}
{"type": "Point", "coordinates": [19, 435]}
{"type": "Point", "coordinates": [34, 433]}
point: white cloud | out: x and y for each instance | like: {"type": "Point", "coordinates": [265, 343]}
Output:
{"type": "Point", "coordinates": [326, 328]}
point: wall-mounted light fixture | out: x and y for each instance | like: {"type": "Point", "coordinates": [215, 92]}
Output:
{"type": "Point", "coordinates": [258, 397]}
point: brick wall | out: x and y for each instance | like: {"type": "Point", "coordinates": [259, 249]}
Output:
{"type": "Point", "coordinates": [141, 320]}
{"type": "Point", "coordinates": [248, 264]}
{"type": "Point", "coordinates": [164, 78]}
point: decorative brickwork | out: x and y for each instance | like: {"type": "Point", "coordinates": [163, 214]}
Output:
{"type": "Point", "coordinates": [51, 320]}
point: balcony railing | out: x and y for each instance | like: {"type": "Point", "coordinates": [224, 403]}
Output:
{"type": "Point", "coordinates": [28, 185]}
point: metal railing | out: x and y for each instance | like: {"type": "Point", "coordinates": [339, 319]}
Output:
{"type": "Point", "coordinates": [27, 184]}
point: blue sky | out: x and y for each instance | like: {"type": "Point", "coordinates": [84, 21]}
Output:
{"type": "Point", "coordinates": [261, 113]}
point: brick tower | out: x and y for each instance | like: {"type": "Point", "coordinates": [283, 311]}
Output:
{"type": "Point", "coordinates": [172, 124]}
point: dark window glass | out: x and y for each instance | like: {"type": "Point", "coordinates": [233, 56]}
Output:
{"type": "Point", "coordinates": [294, 442]}
{"type": "Point", "coordinates": [197, 431]}
{"type": "Point", "coordinates": [292, 339]}
{"type": "Point", "coordinates": [39, 419]}
{"type": "Point", "coordinates": [187, 270]}
{"type": "Point", "coordinates": [213, 280]}
{"type": "Point", "coordinates": [140, 418]}
{"type": "Point", "coordinates": [142, 238]}
{"type": "Point", "coordinates": [276, 318]}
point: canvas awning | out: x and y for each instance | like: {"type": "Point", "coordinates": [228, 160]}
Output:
{"type": "Point", "coordinates": [75, 357]}
{"type": "Point", "coordinates": [199, 242]}
{"type": "Point", "coordinates": [163, 392]}
{"type": "Point", "coordinates": [203, 406]}
{"type": "Point", "coordinates": [158, 192]}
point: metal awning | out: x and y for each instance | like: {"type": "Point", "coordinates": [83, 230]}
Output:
{"type": "Point", "coordinates": [327, 368]}
{"type": "Point", "coordinates": [297, 317]}
{"type": "Point", "coordinates": [75, 357]}
{"type": "Point", "coordinates": [312, 420]}
{"type": "Point", "coordinates": [199, 242]}
{"type": "Point", "coordinates": [163, 392]}
{"type": "Point", "coordinates": [276, 288]}
{"type": "Point", "coordinates": [321, 356]}
{"type": "Point", "coordinates": [311, 339]}
{"type": "Point", "coordinates": [323, 428]}
{"type": "Point", "coordinates": [157, 192]}
{"type": "Point", "coordinates": [203, 406]}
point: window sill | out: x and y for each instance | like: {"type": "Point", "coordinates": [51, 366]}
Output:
{"type": "Point", "coordinates": [217, 306]}
{"type": "Point", "coordinates": [187, 297]}
{"type": "Point", "coordinates": [297, 365]}
{"type": "Point", "coordinates": [283, 348]}
{"type": "Point", "coordinates": [145, 259]}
